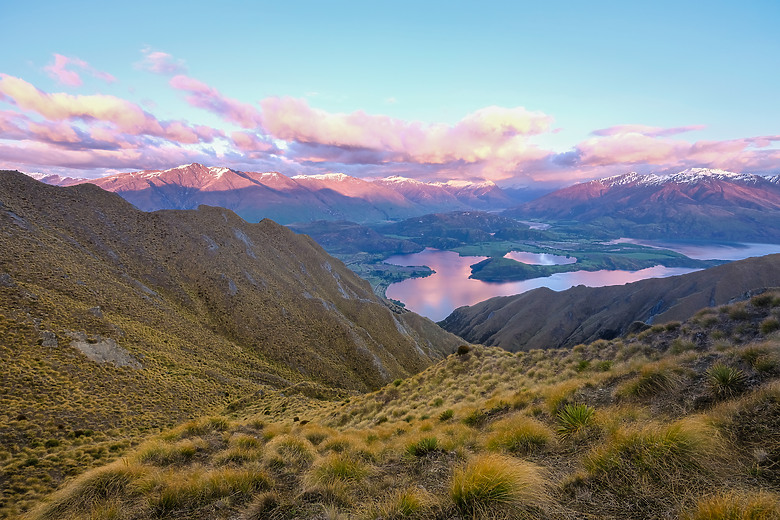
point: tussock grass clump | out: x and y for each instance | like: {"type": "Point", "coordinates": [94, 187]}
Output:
{"type": "Point", "coordinates": [289, 450]}
{"type": "Point", "coordinates": [494, 485]}
{"type": "Point", "coordinates": [165, 454]}
{"type": "Point", "coordinates": [574, 418]}
{"type": "Point", "coordinates": [189, 491]}
{"type": "Point", "coordinates": [412, 502]}
{"type": "Point", "coordinates": [725, 381]}
{"type": "Point", "coordinates": [735, 505]}
{"type": "Point", "coordinates": [93, 489]}
{"type": "Point", "coordinates": [519, 434]}
{"type": "Point", "coordinates": [653, 379]}
{"type": "Point", "coordinates": [336, 467]}
{"type": "Point", "coordinates": [670, 456]}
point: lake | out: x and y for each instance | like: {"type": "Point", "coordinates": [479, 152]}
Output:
{"type": "Point", "coordinates": [707, 250]}
{"type": "Point", "coordinates": [450, 287]}
{"type": "Point", "coordinates": [540, 258]}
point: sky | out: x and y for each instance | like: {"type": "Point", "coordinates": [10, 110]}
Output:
{"type": "Point", "coordinates": [520, 93]}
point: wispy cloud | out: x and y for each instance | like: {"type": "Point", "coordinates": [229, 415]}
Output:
{"type": "Point", "coordinates": [62, 71]}
{"type": "Point", "coordinates": [208, 98]}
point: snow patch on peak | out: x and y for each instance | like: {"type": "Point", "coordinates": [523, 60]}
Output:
{"type": "Point", "coordinates": [621, 180]}
{"type": "Point", "coordinates": [339, 177]}
{"type": "Point", "coordinates": [694, 175]}
{"type": "Point", "coordinates": [397, 179]}
{"type": "Point", "coordinates": [218, 172]}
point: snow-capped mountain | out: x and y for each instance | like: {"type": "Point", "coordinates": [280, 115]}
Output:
{"type": "Point", "coordinates": [694, 203]}
{"type": "Point", "coordinates": [301, 198]}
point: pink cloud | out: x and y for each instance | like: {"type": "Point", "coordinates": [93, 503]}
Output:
{"type": "Point", "coordinates": [248, 142]}
{"type": "Point", "coordinates": [492, 133]}
{"type": "Point", "coordinates": [128, 117]}
{"type": "Point", "coordinates": [209, 98]}
{"type": "Point", "coordinates": [59, 71]}
{"type": "Point", "coordinates": [161, 63]}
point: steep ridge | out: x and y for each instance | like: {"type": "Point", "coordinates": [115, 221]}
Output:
{"type": "Point", "coordinates": [300, 198]}
{"type": "Point", "coordinates": [260, 285]}
{"type": "Point", "coordinates": [695, 203]}
{"type": "Point", "coordinates": [543, 318]}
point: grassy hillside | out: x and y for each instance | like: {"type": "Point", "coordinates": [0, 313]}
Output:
{"type": "Point", "coordinates": [678, 421]}
{"type": "Point", "coordinates": [115, 323]}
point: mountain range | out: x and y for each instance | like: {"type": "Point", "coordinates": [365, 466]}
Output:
{"type": "Point", "coordinates": [543, 318]}
{"type": "Point", "coordinates": [697, 203]}
{"type": "Point", "coordinates": [300, 198]}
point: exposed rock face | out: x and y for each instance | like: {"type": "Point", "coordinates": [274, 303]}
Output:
{"type": "Point", "coordinates": [103, 350]}
{"type": "Point", "coordinates": [543, 318]}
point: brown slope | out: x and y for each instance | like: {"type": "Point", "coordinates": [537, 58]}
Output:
{"type": "Point", "coordinates": [269, 291]}
{"type": "Point", "coordinates": [543, 318]}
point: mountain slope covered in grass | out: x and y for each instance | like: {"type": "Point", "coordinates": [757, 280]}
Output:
{"type": "Point", "coordinates": [543, 318]}
{"type": "Point", "coordinates": [115, 322]}
{"type": "Point", "coordinates": [679, 421]}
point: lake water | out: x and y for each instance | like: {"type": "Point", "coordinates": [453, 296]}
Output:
{"type": "Point", "coordinates": [540, 258]}
{"type": "Point", "coordinates": [707, 251]}
{"type": "Point", "coordinates": [450, 287]}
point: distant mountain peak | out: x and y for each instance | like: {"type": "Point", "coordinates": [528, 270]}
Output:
{"type": "Point", "coordinates": [337, 177]}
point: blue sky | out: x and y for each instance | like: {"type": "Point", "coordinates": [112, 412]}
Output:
{"type": "Point", "coordinates": [516, 92]}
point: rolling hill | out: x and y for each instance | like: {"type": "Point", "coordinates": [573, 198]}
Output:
{"type": "Point", "coordinates": [542, 318]}
{"type": "Point", "coordinates": [696, 203]}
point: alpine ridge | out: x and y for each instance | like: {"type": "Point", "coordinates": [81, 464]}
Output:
{"type": "Point", "coordinates": [697, 203]}
{"type": "Point", "coordinates": [300, 198]}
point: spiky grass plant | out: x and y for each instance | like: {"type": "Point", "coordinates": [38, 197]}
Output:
{"type": "Point", "coordinates": [422, 446]}
{"type": "Point", "coordinates": [574, 418]}
{"type": "Point", "coordinates": [725, 381]}
{"type": "Point", "coordinates": [736, 505]}
{"type": "Point", "coordinates": [519, 434]}
{"type": "Point", "coordinates": [494, 485]}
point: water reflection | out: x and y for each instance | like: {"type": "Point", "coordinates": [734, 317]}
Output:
{"type": "Point", "coordinates": [450, 287]}
{"type": "Point", "coordinates": [540, 258]}
{"type": "Point", "coordinates": [707, 251]}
